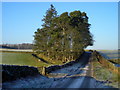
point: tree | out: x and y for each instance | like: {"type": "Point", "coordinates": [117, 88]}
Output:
{"type": "Point", "coordinates": [50, 14]}
{"type": "Point", "coordinates": [41, 37]}
{"type": "Point", "coordinates": [63, 37]}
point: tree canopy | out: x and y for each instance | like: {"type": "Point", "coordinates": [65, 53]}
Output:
{"type": "Point", "coordinates": [63, 37]}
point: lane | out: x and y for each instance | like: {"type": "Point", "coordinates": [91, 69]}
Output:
{"type": "Point", "coordinates": [75, 68]}
{"type": "Point", "coordinates": [74, 81]}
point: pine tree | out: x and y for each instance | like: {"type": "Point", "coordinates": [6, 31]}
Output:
{"type": "Point", "coordinates": [50, 14]}
{"type": "Point", "coordinates": [63, 37]}
{"type": "Point", "coordinates": [42, 36]}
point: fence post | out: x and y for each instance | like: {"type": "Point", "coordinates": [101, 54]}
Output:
{"type": "Point", "coordinates": [43, 71]}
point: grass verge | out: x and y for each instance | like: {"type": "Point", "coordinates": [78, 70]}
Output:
{"type": "Point", "coordinates": [105, 73]}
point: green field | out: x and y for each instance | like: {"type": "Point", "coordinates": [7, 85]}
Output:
{"type": "Point", "coordinates": [20, 58]}
{"type": "Point", "coordinates": [25, 59]}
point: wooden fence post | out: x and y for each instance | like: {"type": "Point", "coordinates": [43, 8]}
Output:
{"type": "Point", "coordinates": [43, 71]}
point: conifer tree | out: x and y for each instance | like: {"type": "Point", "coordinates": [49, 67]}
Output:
{"type": "Point", "coordinates": [63, 37]}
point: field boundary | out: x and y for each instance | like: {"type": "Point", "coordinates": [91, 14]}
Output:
{"type": "Point", "coordinates": [13, 72]}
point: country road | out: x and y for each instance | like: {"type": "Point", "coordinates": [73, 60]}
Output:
{"type": "Point", "coordinates": [74, 76]}
{"type": "Point", "coordinates": [78, 75]}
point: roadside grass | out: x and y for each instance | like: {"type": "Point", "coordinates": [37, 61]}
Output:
{"type": "Point", "coordinates": [21, 58]}
{"type": "Point", "coordinates": [116, 61]}
{"type": "Point", "coordinates": [104, 74]}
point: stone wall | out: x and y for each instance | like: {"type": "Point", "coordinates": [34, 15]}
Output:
{"type": "Point", "coordinates": [56, 67]}
{"type": "Point", "coordinates": [13, 72]}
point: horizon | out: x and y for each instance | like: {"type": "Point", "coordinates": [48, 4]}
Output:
{"type": "Point", "coordinates": [21, 20]}
{"type": "Point", "coordinates": [84, 49]}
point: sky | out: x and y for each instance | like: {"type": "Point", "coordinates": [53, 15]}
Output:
{"type": "Point", "coordinates": [60, 0]}
{"type": "Point", "coordinates": [21, 19]}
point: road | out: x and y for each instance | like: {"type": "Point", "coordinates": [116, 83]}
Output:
{"type": "Point", "coordinates": [75, 76]}
{"type": "Point", "coordinates": [78, 75]}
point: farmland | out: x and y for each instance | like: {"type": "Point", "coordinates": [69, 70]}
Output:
{"type": "Point", "coordinates": [110, 54]}
{"type": "Point", "coordinates": [20, 58]}
{"type": "Point", "coordinates": [24, 58]}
